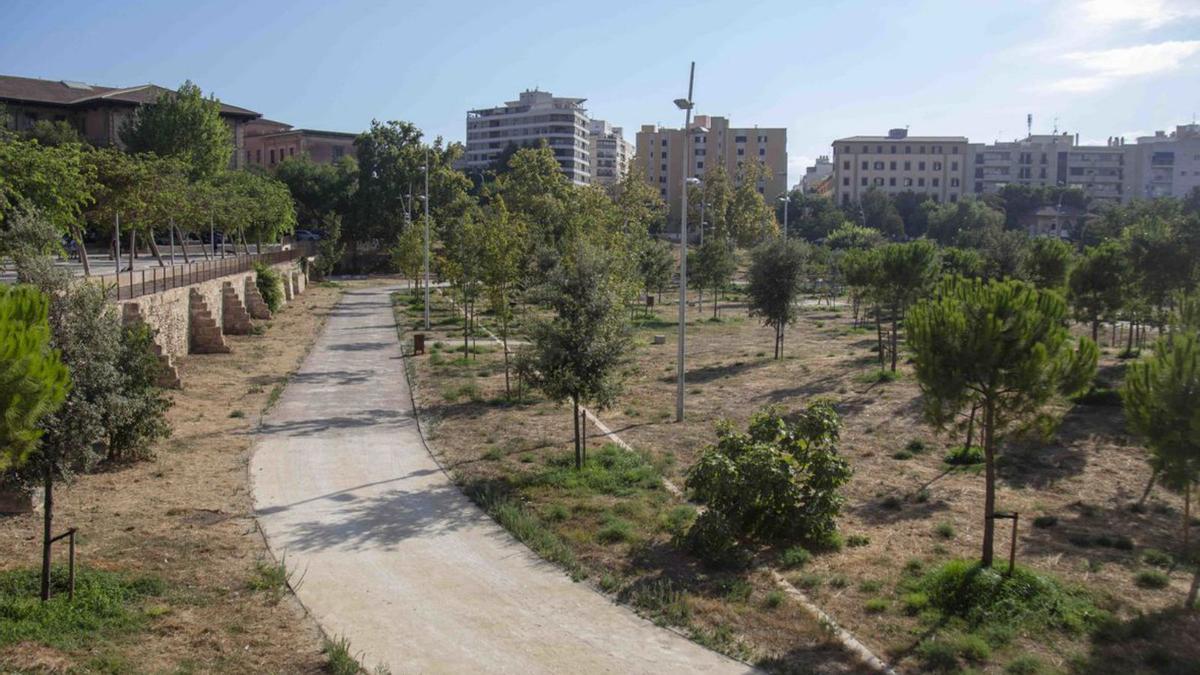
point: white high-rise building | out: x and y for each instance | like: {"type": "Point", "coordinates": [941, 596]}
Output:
{"type": "Point", "coordinates": [1165, 164]}
{"type": "Point", "coordinates": [610, 152]}
{"type": "Point", "coordinates": [535, 116]}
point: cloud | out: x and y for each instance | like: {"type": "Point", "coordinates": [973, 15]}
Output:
{"type": "Point", "coordinates": [1106, 67]}
{"type": "Point", "coordinates": [1146, 14]}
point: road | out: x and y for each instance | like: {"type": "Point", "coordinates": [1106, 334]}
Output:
{"type": "Point", "coordinates": [390, 553]}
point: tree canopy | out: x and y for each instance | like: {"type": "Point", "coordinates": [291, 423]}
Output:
{"type": "Point", "coordinates": [182, 124]}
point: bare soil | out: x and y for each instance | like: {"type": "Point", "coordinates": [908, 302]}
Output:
{"type": "Point", "coordinates": [1085, 473]}
{"type": "Point", "coordinates": [186, 517]}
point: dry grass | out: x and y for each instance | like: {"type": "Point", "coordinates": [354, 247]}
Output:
{"type": "Point", "coordinates": [1086, 475]}
{"type": "Point", "coordinates": [186, 517]}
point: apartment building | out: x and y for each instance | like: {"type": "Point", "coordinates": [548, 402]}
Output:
{"type": "Point", "coordinates": [667, 155]}
{"type": "Point", "coordinates": [610, 152]}
{"type": "Point", "coordinates": [1165, 164]}
{"type": "Point", "coordinates": [535, 116]}
{"type": "Point", "coordinates": [268, 143]}
{"type": "Point", "coordinates": [816, 176]}
{"type": "Point", "coordinates": [97, 112]}
{"type": "Point", "coordinates": [897, 162]}
{"type": "Point", "coordinates": [1044, 160]}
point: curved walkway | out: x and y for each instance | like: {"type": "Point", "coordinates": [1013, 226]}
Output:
{"type": "Point", "coordinates": [395, 558]}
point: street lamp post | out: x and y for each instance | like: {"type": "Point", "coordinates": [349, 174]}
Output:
{"type": "Point", "coordinates": [685, 104]}
{"type": "Point", "coordinates": [785, 201]}
{"type": "Point", "coordinates": [426, 200]}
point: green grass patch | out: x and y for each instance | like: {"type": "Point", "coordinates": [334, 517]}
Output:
{"type": "Point", "coordinates": [526, 527]}
{"type": "Point", "coordinates": [614, 531]}
{"type": "Point", "coordinates": [339, 659]}
{"type": "Point", "coordinates": [856, 540]}
{"type": "Point", "coordinates": [469, 391]}
{"type": "Point", "coordinates": [944, 530]}
{"type": "Point", "coordinates": [774, 599]}
{"type": "Point", "coordinates": [106, 605]}
{"type": "Point", "coordinates": [964, 456]}
{"type": "Point", "coordinates": [876, 606]}
{"type": "Point", "coordinates": [1152, 579]}
{"type": "Point", "coordinates": [609, 470]}
{"type": "Point", "coordinates": [877, 376]}
{"type": "Point", "coordinates": [1026, 602]}
{"type": "Point", "coordinates": [796, 556]}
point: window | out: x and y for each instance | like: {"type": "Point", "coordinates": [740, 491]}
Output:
{"type": "Point", "coordinates": [921, 150]}
{"type": "Point", "coordinates": [742, 139]}
{"type": "Point", "coordinates": [953, 182]}
{"type": "Point", "coordinates": [258, 155]}
{"type": "Point", "coordinates": [879, 181]}
{"type": "Point", "coordinates": [908, 149]}
{"type": "Point", "coordinates": [700, 165]}
{"type": "Point", "coordinates": [845, 164]}
{"type": "Point", "coordinates": [937, 166]}
{"type": "Point", "coordinates": [954, 166]}
{"type": "Point", "coordinates": [907, 182]}
{"type": "Point", "coordinates": [866, 165]}
{"type": "Point", "coordinates": [864, 182]}
{"type": "Point", "coordinates": [892, 166]}
{"type": "Point", "coordinates": [762, 139]}
{"type": "Point", "coordinates": [936, 182]}
{"type": "Point", "coordinates": [664, 142]}
{"type": "Point", "coordinates": [292, 151]}
{"type": "Point", "coordinates": [866, 149]}
{"type": "Point", "coordinates": [699, 152]}
{"type": "Point", "coordinates": [954, 150]}
{"type": "Point", "coordinates": [247, 156]}
{"type": "Point", "coordinates": [893, 149]}
{"type": "Point", "coordinates": [846, 180]}
{"type": "Point", "coordinates": [953, 197]}
{"type": "Point", "coordinates": [762, 152]}
{"type": "Point", "coordinates": [879, 149]}
{"type": "Point", "coordinates": [908, 166]}
{"type": "Point", "coordinates": [935, 198]}
{"type": "Point", "coordinates": [338, 152]}
{"type": "Point", "coordinates": [662, 179]}
{"type": "Point", "coordinates": [879, 166]}
{"type": "Point", "coordinates": [742, 151]}
{"type": "Point", "coordinates": [663, 167]}
{"type": "Point", "coordinates": [920, 166]}
{"type": "Point", "coordinates": [920, 182]}
{"type": "Point", "coordinates": [892, 181]}
{"type": "Point", "coordinates": [272, 155]}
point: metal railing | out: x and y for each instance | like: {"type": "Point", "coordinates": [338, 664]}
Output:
{"type": "Point", "coordinates": [131, 283]}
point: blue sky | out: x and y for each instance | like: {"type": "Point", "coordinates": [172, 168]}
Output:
{"type": "Point", "coordinates": [822, 69]}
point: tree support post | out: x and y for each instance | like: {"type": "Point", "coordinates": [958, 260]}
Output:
{"type": "Point", "coordinates": [1012, 549]}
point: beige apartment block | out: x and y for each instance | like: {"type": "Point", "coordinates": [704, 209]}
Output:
{"type": "Point", "coordinates": [610, 152]}
{"type": "Point", "coordinates": [932, 165]}
{"type": "Point", "coordinates": [1165, 164]}
{"type": "Point", "coordinates": [667, 155]}
{"type": "Point", "coordinates": [534, 117]}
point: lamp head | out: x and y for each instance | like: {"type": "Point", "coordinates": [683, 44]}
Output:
{"type": "Point", "coordinates": [683, 104]}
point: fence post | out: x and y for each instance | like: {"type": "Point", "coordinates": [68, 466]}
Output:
{"type": "Point", "coordinates": [71, 566]}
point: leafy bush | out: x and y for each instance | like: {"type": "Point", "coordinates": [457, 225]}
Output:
{"type": "Point", "coordinates": [781, 479]}
{"type": "Point", "coordinates": [712, 540]}
{"type": "Point", "coordinates": [677, 521]}
{"type": "Point", "coordinates": [938, 656]}
{"type": "Point", "coordinates": [775, 599]}
{"type": "Point", "coordinates": [980, 596]}
{"type": "Point", "coordinates": [965, 456]}
{"type": "Point", "coordinates": [916, 446]}
{"type": "Point", "coordinates": [876, 606]}
{"type": "Point", "coordinates": [1152, 579]}
{"type": "Point", "coordinates": [1025, 665]}
{"type": "Point", "coordinates": [915, 603]}
{"type": "Point", "coordinates": [856, 540]}
{"type": "Point", "coordinates": [796, 556]}
{"type": "Point", "coordinates": [944, 530]}
{"type": "Point", "coordinates": [1157, 558]}
{"type": "Point", "coordinates": [270, 285]}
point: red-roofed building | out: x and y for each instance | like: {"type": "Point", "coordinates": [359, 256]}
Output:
{"type": "Point", "coordinates": [96, 112]}
{"type": "Point", "coordinates": [267, 143]}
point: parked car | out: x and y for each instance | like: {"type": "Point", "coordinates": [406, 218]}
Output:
{"type": "Point", "coordinates": [307, 235]}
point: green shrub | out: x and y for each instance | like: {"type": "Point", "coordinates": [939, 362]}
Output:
{"type": "Point", "coordinates": [915, 603]}
{"type": "Point", "coordinates": [738, 590]}
{"type": "Point", "coordinates": [775, 599]}
{"type": "Point", "coordinates": [1157, 558]}
{"type": "Point", "coordinates": [870, 586]}
{"type": "Point", "coordinates": [856, 540]}
{"type": "Point", "coordinates": [964, 456]}
{"type": "Point", "coordinates": [270, 285]}
{"type": "Point", "coordinates": [1026, 664]}
{"type": "Point", "coordinates": [876, 606]}
{"type": "Point", "coordinates": [677, 521]}
{"type": "Point", "coordinates": [780, 479]}
{"type": "Point", "coordinates": [916, 446]}
{"type": "Point", "coordinates": [938, 656]}
{"type": "Point", "coordinates": [614, 531]}
{"type": "Point", "coordinates": [978, 595]}
{"type": "Point", "coordinates": [796, 556]}
{"type": "Point", "coordinates": [944, 530]}
{"type": "Point", "coordinates": [973, 648]}
{"type": "Point", "coordinates": [1153, 579]}
{"type": "Point", "coordinates": [1045, 521]}
{"type": "Point", "coordinates": [902, 455]}
{"type": "Point", "coordinates": [712, 540]}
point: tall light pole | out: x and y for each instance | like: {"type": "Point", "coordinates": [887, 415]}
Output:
{"type": "Point", "coordinates": [426, 200]}
{"type": "Point", "coordinates": [785, 199]}
{"type": "Point", "coordinates": [685, 104]}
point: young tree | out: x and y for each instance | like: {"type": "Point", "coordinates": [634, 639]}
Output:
{"type": "Point", "coordinates": [850, 236]}
{"type": "Point", "coordinates": [906, 272]}
{"type": "Point", "coordinates": [1003, 345]}
{"type": "Point", "coordinates": [750, 218]}
{"type": "Point", "coordinates": [1160, 394]}
{"type": "Point", "coordinates": [462, 265]}
{"type": "Point", "coordinates": [391, 159]}
{"type": "Point", "coordinates": [577, 354]}
{"type": "Point", "coordinates": [182, 124]}
{"type": "Point", "coordinates": [879, 213]}
{"type": "Point", "coordinates": [715, 263]}
{"type": "Point", "coordinates": [330, 248]}
{"type": "Point", "coordinates": [656, 263]}
{"type": "Point", "coordinates": [408, 254]}
{"type": "Point", "coordinates": [776, 270]}
{"type": "Point", "coordinates": [1047, 263]}
{"type": "Point", "coordinates": [33, 379]}
{"type": "Point", "coordinates": [503, 253]}
{"type": "Point", "coordinates": [860, 269]}
{"type": "Point", "coordinates": [54, 181]}
{"type": "Point", "coordinates": [949, 221]}
{"type": "Point", "coordinates": [1097, 284]}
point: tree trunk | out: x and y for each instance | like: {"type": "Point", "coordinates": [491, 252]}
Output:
{"type": "Point", "coordinates": [183, 246]}
{"type": "Point", "coordinates": [155, 251]}
{"type": "Point", "coordinates": [895, 311]}
{"type": "Point", "coordinates": [132, 247]}
{"type": "Point", "coordinates": [715, 303]}
{"type": "Point", "coordinates": [578, 447]}
{"type": "Point", "coordinates": [989, 500]}
{"type": "Point", "coordinates": [1193, 591]}
{"type": "Point", "coordinates": [466, 329]}
{"type": "Point", "coordinates": [1187, 518]}
{"type": "Point", "coordinates": [1096, 331]}
{"type": "Point", "coordinates": [971, 425]}
{"type": "Point", "coordinates": [879, 337]}
{"type": "Point", "coordinates": [47, 522]}
{"type": "Point", "coordinates": [83, 256]}
{"type": "Point", "coordinates": [1149, 486]}
{"type": "Point", "coordinates": [1113, 341]}
{"type": "Point", "coordinates": [1129, 338]}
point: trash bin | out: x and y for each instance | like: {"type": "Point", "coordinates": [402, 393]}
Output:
{"type": "Point", "coordinates": [418, 343]}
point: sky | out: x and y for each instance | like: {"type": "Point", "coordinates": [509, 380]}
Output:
{"type": "Point", "coordinates": [824, 70]}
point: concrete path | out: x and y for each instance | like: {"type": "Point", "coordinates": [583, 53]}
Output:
{"type": "Point", "coordinates": [395, 558]}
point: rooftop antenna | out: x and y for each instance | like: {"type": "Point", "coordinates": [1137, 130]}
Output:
{"type": "Point", "coordinates": [1055, 126]}
{"type": "Point", "coordinates": [1029, 124]}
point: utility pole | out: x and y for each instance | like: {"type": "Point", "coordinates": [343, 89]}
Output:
{"type": "Point", "coordinates": [686, 105]}
{"type": "Point", "coordinates": [117, 243]}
